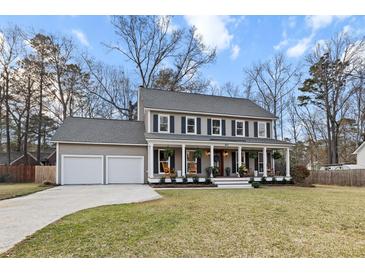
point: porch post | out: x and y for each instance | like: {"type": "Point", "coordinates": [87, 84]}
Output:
{"type": "Point", "coordinates": [183, 165]}
{"type": "Point", "coordinates": [264, 154]}
{"type": "Point", "coordinates": [150, 160]}
{"type": "Point", "coordinates": [239, 155]}
{"type": "Point", "coordinates": [287, 162]}
{"type": "Point", "coordinates": [211, 159]}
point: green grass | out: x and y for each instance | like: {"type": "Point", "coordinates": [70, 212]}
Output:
{"type": "Point", "coordinates": [12, 190]}
{"type": "Point", "coordinates": [265, 222]}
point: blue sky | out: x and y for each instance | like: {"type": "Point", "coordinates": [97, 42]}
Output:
{"type": "Point", "coordinates": [240, 40]}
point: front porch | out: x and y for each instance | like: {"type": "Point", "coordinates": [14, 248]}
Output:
{"type": "Point", "coordinates": [218, 162]}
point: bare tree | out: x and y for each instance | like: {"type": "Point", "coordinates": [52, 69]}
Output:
{"type": "Point", "coordinates": [269, 83]}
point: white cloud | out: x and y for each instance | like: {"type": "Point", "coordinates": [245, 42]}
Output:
{"type": "Point", "coordinates": [81, 37]}
{"type": "Point", "coordinates": [283, 43]}
{"type": "Point", "coordinates": [213, 30]}
{"type": "Point", "coordinates": [292, 21]}
{"type": "Point", "coordinates": [300, 47]}
{"type": "Point", "coordinates": [316, 22]}
{"type": "Point", "coordinates": [235, 51]}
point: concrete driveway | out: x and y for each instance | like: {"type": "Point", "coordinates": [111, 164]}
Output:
{"type": "Point", "coordinates": [21, 217]}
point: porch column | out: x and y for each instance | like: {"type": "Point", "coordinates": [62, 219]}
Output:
{"type": "Point", "coordinates": [150, 160]}
{"type": "Point", "coordinates": [211, 159]}
{"type": "Point", "coordinates": [264, 154]}
{"type": "Point", "coordinates": [287, 162]}
{"type": "Point", "coordinates": [239, 155]}
{"type": "Point", "coordinates": [183, 165]}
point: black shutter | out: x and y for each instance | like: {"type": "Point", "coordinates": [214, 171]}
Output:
{"type": "Point", "coordinates": [247, 131]}
{"type": "Point", "coordinates": [234, 162]}
{"type": "Point", "coordinates": [224, 127]}
{"type": "Point", "coordinates": [183, 124]}
{"type": "Point", "coordinates": [199, 165]}
{"type": "Point", "coordinates": [209, 126]}
{"type": "Point", "coordinates": [247, 158]}
{"type": "Point", "coordinates": [255, 133]}
{"type": "Point", "coordinates": [155, 162]}
{"type": "Point", "coordinates": [268, 130]}
{"type": "Point", "coordinates": [257, 163]}
{"type": "Point", "coordinates": [155, 123]}
{"type": "Point", "coordinates": [172, 161]}
{"type": "Point", "coordinates": [199, 125]}
{"type": "Point", "coordinates": [172, 123]}
{"type": "Point", "coordinates": [233, 127]}
{"type": "Point", "coordinates": [269, 160]}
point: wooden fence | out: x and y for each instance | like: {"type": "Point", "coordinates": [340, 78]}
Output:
{"type": "Point", "coordinates": [17, 174]}
{"type": "Point", "coordinates": [45, 174]}
{"type": "Point", "coordinates": [352, 177]}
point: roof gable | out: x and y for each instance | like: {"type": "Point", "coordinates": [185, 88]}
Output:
{"type": "Point", "coordinates": [210, 104]}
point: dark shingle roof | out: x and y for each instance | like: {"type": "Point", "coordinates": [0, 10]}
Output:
{"type": "Point", "coordinates": [100, 131]}
{"type": "Point", "coordinates": [181, 101]}
{"type": "Point", "coordinates": [216, 138]}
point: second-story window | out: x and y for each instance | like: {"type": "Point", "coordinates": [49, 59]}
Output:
{"type": "Point", "coordinates": [191, 125]}
{"type": "Point", "coordinates": [163, 123]}
{"type": "Point", "coordinates": [239, 128]}
{"type": "Point", "coordinates": [216, 127]}
{"type": "Point", "coordinates": [262, 129]}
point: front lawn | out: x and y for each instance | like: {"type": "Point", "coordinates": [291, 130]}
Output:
{"type": "Point", "coordinates": [12, 190]}
{"type": "Point", "coordinates": [266, 222]}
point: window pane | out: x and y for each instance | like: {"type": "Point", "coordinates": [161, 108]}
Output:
{"type": "Point", "coordinates": [261, 130]}
{"type": "Point", "coordinates": [216, 127]}
{"type": "Point", "coordinates": [216, 123]}
{"type": "Point", "coordinates": [191, 121]}
{"type": "Point", "coordinates": [190, 156]}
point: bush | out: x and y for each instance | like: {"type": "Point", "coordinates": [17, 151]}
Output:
{"type": "Point", "coordinates": [208, 181]}
{"type": "Point", "coordinates": [255, 184]}
{"type": "Point", "coordinates": [195, 179]}
{"type": "Point", "coordinates": [274, 181]}
{"type": "Point", "coordinates": [185, 180]}
{"type": "Point", "coordinates": [4, 178]}
{"type": "Point", "coordinates": [263, 180]}
{"type": "Point", "coordinates": [299, 174]}
{"type": "Point", "coordinates": [162, 180]}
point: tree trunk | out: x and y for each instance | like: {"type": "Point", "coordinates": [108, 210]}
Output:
{"type": "Point", "coordinates": [40, 120]}
{"type": "Point", "coordinates": [26, 126]}
{"type": "Point", "coordinates": [7, 120]}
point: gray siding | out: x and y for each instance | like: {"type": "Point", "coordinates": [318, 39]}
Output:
{"type": "Point", "coordinates": [87, 149]}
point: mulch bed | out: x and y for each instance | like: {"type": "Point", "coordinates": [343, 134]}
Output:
{"type": "Point", "coordinates": [180, 185]}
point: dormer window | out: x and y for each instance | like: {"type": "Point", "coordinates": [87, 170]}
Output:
{"type": "Point", "coordinates": [191, 125]}
{"type": "Point", "coordinates": [262, 129]}
{"type": "Point", "coordinates": [163, 123]}
{"type": "Point", "coordinates": [216, 127]}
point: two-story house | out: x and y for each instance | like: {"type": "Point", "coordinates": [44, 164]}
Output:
{"type": "Point", "coordinates": [228, 132]}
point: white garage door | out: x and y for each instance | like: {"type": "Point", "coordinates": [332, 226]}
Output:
{"type": "Point", "coordinates": [124, 169]}
{"type": "Point", "coordinates": [79, 170]}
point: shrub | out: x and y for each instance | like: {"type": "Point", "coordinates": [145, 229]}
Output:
{"type": "Point", "coordinates": [242, 170]}
{"type": "Point", "coordinates": [173, 180]}
{"type": "Point", "coordinates": [263, 180]}
{"type": "Point", "coordinates": [4, 178]}
{"type": "Point", "coordinates": [185, 180]}
{"type": "Point", "coordinates": [299, 173]}
{"type": "Point", "coordinates": [162, 180]}
{"type": "Point", "coordinates": [273, 181]}
{"type": "Point", "coordinates": [195, 179]}
{"type": "Point", "coordinates": [255, 184]}
{"type": "Point", "coordinates": [208, 181]}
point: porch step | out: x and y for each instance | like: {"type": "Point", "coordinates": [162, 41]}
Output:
{"type": "Point", "coordinates": [232, 182]}
{"type": "Point", "coordinates": [234, 186]}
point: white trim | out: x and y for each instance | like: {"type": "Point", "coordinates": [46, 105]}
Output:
{"type": "Point", "coordinates": [63, 156]}
{"type": "Point", "coordinates": [208, 143]}
{"type": "Point", "coordinates": [92, 143]}
{"type": "Point", "coordinates": [220, 126]}
{"type": "Point", "coordinates": [210, 114]}
{"type": "Point", "coordinates": [159, 162]}
{"type": "Point", "coordinates": [107, 157]}
{"type": "Point", "coordinates": [258, 162]}
{"type": "Point", "coordinates": [186, 161]}
{"type": "Point", "coordinates": [258, 129]}
{"type": "Point", "coordinates": [195, 125]}
{"type": "Point", "coordinates": [243, 128]}
{"type": "Point", "coordinates": [359, 148]}
{"type": "Point", "coordinates": [149, 121]}
{"type": "Point", "coordinates": [168, 123]}
{"type": "Point", "coordinates": [243, 161]}
{"type": "Point", "coordinates": [57, 162]}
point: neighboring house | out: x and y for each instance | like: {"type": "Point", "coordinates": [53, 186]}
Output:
{"type": "Point", "coordinates": [18, 158]}
{"type": "Point", "coordinates": [229, 132]}
{"type": "Point", "coordinates": [360, 155]}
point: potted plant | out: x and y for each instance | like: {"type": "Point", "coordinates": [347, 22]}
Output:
{"type": "Point", "coordinates": [276, 155]}
{"type": "Point", "coordinates": [228, 171]}
{"type": "Point", "coordinates": [198, 153]}
{"type": "Point", "coordinates": [162, 180]}
{"type": "Point", "coordinates": [252, 155]}
{"type": "Point", "coordinates": [242, 170]}
{"type": "Point", "coordinates": [212, 169]}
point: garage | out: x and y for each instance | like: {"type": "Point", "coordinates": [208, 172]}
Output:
{"type": "Point", "coordinates": [124, 169]}
{"type": "Point", "coordinates": [82, 169]}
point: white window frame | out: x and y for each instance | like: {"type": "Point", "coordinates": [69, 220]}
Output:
{"type": "Point", "coordinates": [243, 127]}
{"type": "Point", "coordinates": [220, 126]}
{"type": "Point", "coordinates": [186, 125]}
{"type": "Point", "coordinates": [186, 162]}
{"type": "Point", "coordinates": [159, 161]}
{"type": "Point", "coordinates": [159, 123]}
{"type": "Point", "coordinates": [258, 162]}
{"type": "Point", "coordinates": [243, 159]}
{"type": "Point", "coordinates": [258, 130]}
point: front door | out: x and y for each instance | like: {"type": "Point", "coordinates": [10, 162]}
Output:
{"type": "Point", "coordinates": [218, 161]}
